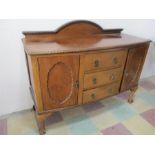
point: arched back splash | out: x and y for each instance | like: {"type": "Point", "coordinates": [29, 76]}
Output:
{"type": "Point", "coordinates": [73, 29]}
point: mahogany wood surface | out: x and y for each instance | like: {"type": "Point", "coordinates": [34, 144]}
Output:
{"type": "Point", "coordinates": [100, 78]}
{"type": "Point", "coordinates": [76, 37]}
{"type": "Point", "coordinates": [135, 61]}
{"type": "Point", "coordinates": [96, 42]}
{"type": "Point", "coordinates": [103, 60]}
{"type": "Point", "coordinates": [81, 63]}
{"type": "Point", "coordinates": [58, 76]}
{"type": "Point", "coordinates": [100, 93]}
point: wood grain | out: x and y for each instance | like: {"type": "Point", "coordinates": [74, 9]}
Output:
{"type": "Point", "coordinates": [101, 78]}
{"type": "Point", "coordinates": [58, 76]}
{"type": "Point", "coordinates": [100, 93]}
{"type": "Point", "coordinates": [103, 60]}
{"type": "Point", "coordinates": [82, 44]}
{"type": "Point", "coordinates": [76, 37]}
{"type": "Point", "coordinates": [134, 65]}
{"type": "Point", "coordinates": [81, 63]}
{"type": "Point", "coordinates": [34, 75]}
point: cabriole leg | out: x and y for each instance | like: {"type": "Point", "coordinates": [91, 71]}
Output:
{"type": "Point", "coordinates": [41, 122]}
{"type": "Point", "coordinates": [132, 95]}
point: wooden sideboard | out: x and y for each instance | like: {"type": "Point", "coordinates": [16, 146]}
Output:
{"type": "Point", "coordinates": [81, 63]}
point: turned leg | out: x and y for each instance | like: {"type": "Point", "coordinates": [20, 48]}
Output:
{"type": "Point", "coordinates": [132, 95]}
{"type": "Point", "coordinates": [41, 122]}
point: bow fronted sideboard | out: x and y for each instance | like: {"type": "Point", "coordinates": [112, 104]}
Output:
{"type": "Point", "coordinates": [81, 63]}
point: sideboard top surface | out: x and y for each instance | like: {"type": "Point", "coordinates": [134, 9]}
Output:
{"type": "Point", "coordinates": [77, 37]}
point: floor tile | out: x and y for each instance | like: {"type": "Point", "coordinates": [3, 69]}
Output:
{"type": "Point", "coordinates": [147, 84]}
{"type": "Point", "coordinates": [140, 105]}
{"type": "Point", "coordinates": [152, 79]}
{"type": "Point", "coordinates": [123, 112]}
{"type": "Point", "coordinates": [118, 129]}
{"type": "Point", "coordinates": [20, 123]}
{"type": "Point", "coordinates": [93, 106]}
{"type": "Point", "coordinates": [59, 128]}
{"type": "Point", "coordinates": [123, 95]}
{"type": "Point", "coordinates": [149, 116]}
{"type": "Point", "coordinates": [148, 97]}
{"type": "Point", "coordinates": [139, 91]}
{"type": "Point", "coordinates": [55, 117]}
{"type": "Point", "coordinates": [138, 126]}
{"type": "Point", "coordinates": [112, 103]}
{"type": "Point", "coordinates": [103, 119]}
{"type": "Point", "coordinates": [81, 126]}
{"type": "Point", "coordinates": [33, 131]}
{"type": "Point", "coordinates": [3, 127]}
{"type": "Point", "coordinates": [152, 91]}
{"type": "Point", "coordinates": [72, 112]}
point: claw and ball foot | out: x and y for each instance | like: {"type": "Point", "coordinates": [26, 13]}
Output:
{"type": "Point", "coordinates": [41, 122]}
{"type": "Point", "coordinates": [132, 95]}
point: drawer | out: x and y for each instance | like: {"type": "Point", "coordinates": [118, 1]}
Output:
{"type": "Point", "coordinates": [100, 93]}
{"type": "Point", "coordinates": [102, 60]}
{"type": "Point", "coordinates": [96, 79]}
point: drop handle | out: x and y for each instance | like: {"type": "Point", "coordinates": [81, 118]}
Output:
{"type": "Point", "coordinates": [96, 63]}
{"type": "Point", "coordinates": [112, 77]}
{"type": "Point", "coordinates": [94, 81]}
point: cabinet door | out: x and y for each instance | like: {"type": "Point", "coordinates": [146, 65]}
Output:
{"type": "Point", "coordinates": [133, 68]}
{"type": "Point", "coordinates": [58, 78]}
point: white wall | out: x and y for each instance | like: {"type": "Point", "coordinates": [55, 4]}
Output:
{"type": "Point", "coordinates": [14, 92]}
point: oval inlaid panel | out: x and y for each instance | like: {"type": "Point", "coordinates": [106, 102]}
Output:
{"type": "Point", "coordinates": [60, 83]}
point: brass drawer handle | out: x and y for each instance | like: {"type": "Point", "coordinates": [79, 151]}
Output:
{"type": "Point", "coordinates": [96, 63]}
{"type": "Point", "coordinates": [94, 81]}
{"type": "Point", "coordinates": [115, 61]}
{"type": "Point", "coordinates": [93, 96]}
{"type": "Point", "coordinates": [112, 77]}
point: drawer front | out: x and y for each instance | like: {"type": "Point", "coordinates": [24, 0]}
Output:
{"type": "Point", "coordinates": [112, 59]}
{"type": "Point", "coordinates": [101, 78]}
{"type": "Point", "coordinates": [100, 93]}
